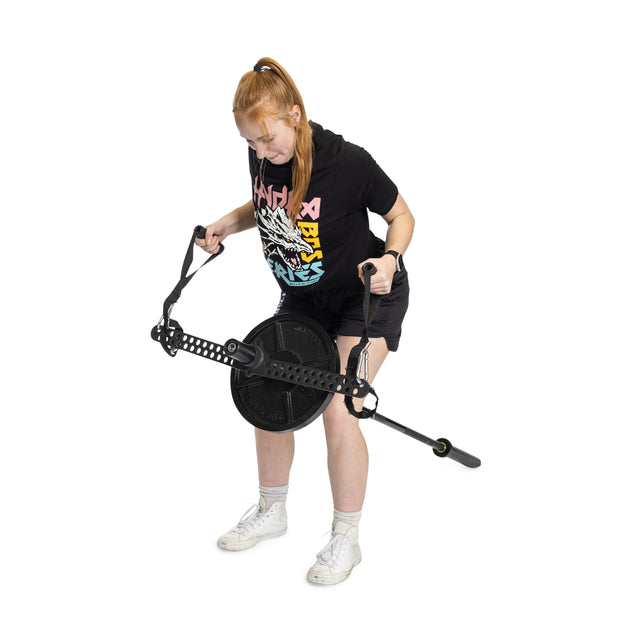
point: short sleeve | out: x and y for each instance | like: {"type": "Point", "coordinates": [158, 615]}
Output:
{"type": "Point", "coordinates": [377, 191]}
{"type": "Point", "coordinates": [381, 192]}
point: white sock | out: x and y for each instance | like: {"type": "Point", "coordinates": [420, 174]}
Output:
{"type": "Point", "coordinates": [352, 519]}
{"type": "Point", "coordinates": [273, 494]}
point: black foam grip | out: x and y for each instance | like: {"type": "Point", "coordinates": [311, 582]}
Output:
{"type": "Point", "coordinates": [368, 267]}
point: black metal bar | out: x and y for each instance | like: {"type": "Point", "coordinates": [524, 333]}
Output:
{"type": "Point", "coordinates": [252, 360]}
{"type": "Point", "coordinates": [246, 354]}
{"type": "Point", "coordinates": [408, 432]}
{"type": "Point", "coordinates": [441, 447]}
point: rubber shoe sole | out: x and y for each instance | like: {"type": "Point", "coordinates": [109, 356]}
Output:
{"type": "Point", "coordinates": [230, 545]}
{"type": "Point", "coordinates": [321, 578]}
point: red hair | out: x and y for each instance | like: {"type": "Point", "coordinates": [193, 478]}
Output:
{"type": "Point", "coordinates": [271, 93]}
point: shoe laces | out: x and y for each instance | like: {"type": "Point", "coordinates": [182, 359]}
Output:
{"type": "Point", "coordinates": [252, 518]}
{"type": "Point", "coordinates": [333, 550]}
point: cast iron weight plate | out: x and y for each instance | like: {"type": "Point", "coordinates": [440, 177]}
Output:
{"type": "Point", "coordinates": [276, 405]}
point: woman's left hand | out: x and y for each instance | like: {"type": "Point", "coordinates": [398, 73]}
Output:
{"type": "Point", "coordinates": [382, 279]}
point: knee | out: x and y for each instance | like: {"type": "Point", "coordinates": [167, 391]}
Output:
{"type": "Point", "coordinates": [338, 422]}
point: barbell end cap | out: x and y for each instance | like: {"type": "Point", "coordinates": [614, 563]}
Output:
{"type": "Point", "coordinates": [449, 451]}
{"type": "Point", "coordinates": [247, 356]}
{"type": "Point", "coordinates": [446, 448]}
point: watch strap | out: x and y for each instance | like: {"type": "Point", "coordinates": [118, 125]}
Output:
{"type": "Point", "coordinates": [398, 256]}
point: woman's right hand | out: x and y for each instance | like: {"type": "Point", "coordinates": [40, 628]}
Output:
{"type": "Point", "coordinates": [216, 233]}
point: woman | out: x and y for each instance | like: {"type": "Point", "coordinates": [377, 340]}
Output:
{"type": "Point", "coordinates": [311, 194]}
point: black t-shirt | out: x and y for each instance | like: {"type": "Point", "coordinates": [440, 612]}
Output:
{"type": "Point", "coordinates": [331, 236]}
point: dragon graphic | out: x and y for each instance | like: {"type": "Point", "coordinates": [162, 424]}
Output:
{"type": "Point", "coordinates": [279, 237]}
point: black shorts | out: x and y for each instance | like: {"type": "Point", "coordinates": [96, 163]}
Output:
{"type": "Point", "coordinates": [340, 311]}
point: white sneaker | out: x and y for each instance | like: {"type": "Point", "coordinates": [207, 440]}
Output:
{"type": "Point", "coordinates": [255, 525]}
{"type": "Point", "coordinates": [336, 561]}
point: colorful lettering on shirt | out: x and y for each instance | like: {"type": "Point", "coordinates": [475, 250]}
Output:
{"type": "Point", "coordinates": [274, 199]}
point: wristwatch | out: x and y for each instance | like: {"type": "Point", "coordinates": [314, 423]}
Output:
{"type": "Point", "coordinates": [398, 257]}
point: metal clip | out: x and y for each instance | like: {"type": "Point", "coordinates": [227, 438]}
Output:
{"type": "Point", "coordinates": [363, 358]}
{"type": "Point", "coordinates": [172, 350]}
{"type": "Point", "coordinates": [168, 316]}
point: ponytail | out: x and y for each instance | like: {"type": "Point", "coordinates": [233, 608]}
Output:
{"type": "Point", "coordinates": [269, 92]}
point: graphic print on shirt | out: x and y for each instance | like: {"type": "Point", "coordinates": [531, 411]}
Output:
{"type": "Point", "coordinates": [293, 252]}
{"type": "Point", "coordinates": [279, 238]}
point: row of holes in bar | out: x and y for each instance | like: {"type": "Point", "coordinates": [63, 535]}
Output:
{"type": "Point", "coordinates": [291, 372]}
{"type": "Point", "coordinates": [203, 348]}
{"type": "Point", "coordinates": [294, 373]}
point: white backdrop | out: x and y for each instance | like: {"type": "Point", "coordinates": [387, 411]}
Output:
{"type": "Point", "coordinates": [512, 132]}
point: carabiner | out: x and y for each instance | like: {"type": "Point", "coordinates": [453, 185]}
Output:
{"type": "Point", "coordinates": [363, 358]}
{"type": "Point", "coordinates": [168, 316]}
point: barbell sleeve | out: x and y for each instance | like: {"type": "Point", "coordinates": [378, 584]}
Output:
{"type": "Point", "coordinates": [441, 447]}
{"type": "Point", "coordinates": [456, 454]}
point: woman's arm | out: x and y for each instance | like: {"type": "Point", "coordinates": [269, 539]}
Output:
{"type": "Point", "coordinates": [239, 219]}
{"type": "Point", "coordinates": [401, 223]}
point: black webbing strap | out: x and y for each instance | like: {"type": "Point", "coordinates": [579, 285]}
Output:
{"type": "Point", "coordinates": [174, 296]}
{"type": "Point", "coordinates": [354, 363]}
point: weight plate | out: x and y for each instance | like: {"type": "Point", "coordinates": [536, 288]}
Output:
{"type": "Point", "coordinates": [275, 405]}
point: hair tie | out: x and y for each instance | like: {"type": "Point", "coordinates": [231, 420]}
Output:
{"type": "Point", "coordinates": [257, 67]}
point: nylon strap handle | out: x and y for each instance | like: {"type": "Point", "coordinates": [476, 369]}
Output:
{"type": "Point", "coordinates": [370, 305]}
{"type": "Point", "coordinates": [174, 296]}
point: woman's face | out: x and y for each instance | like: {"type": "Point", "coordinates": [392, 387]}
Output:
{"type": "Point", "coordinates": [277, 143]}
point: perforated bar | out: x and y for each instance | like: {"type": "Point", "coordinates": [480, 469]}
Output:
{"type": "Point", "coordinates": [295, 374]}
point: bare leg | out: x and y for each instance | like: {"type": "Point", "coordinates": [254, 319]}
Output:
{"type": "Point", "coordinates": [275, 457]}
{"type": "Point", "coordinates": [269, 519]}
{"type": "Point", "coordinates": [347, 454]}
